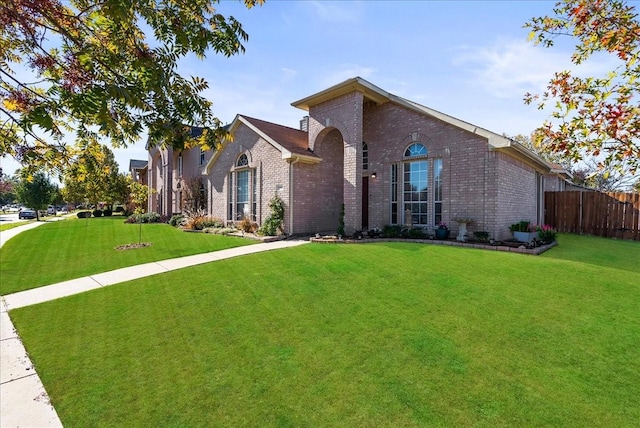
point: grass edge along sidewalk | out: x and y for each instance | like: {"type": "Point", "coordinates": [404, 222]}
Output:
{"type": "Point", "coordinates": [77, 248]}
{"type": "Point", "coordinates": [79, 285]}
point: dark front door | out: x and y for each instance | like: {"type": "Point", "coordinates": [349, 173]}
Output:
{"type": "Point", "coordinates": [365, 203]}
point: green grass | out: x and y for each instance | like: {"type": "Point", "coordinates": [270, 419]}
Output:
{"type": "Point", "coordinates": [63, 250]}
{"type": "Point", "coordinates": [388, 334]}
{"type": "Point", "coordinates": [11, 225]}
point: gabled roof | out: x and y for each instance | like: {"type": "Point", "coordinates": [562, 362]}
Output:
{"type": "Point", "coordinates": [137, 164]}
{"type": "Point", "coordinates": [556, 168]}
{"type": "Point", "coordinates": [380, 96]}
{"type": "Point", "coordinates": [290, 139]}
{"type": "Point", "coordinates": [291, 142]}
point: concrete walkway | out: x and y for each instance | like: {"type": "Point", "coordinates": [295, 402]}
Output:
{"type": "Point", "coordinates": [23, 399]}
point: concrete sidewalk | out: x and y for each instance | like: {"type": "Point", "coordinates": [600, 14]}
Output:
{"type": "Point", "coordinates": [23, 399]}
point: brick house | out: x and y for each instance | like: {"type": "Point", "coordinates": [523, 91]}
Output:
{"type": "Point", "coordinates": [389, 160]}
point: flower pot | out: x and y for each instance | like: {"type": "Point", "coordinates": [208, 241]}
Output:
{"type": "Point", "coordinates": [524, 236]}
{"type": "Point", "coordinates": [442, 233]}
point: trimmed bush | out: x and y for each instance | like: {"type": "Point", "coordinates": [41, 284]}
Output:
{"type": "Point", "coordinates": [83, 214]}
{"type": "Point", "coordinates": [391, 231]}
{"type": "Point", "coordinates": [146, 218]}
{"type": "Point", "coordinates": [416, 233]}
{"type": "Point", "coordinates": [176, 220]}
{"type": "Point", "coordinates": [107, 213]}
{"type": "Point", "coordinates": [97, 213]}
{"type": "Point", "coordinates": [120, 209]}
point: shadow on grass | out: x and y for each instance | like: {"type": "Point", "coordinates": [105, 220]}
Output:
{"type": "Point", "coordinates": [605, 252]}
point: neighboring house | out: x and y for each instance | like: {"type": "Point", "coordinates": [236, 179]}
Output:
{"type": "Point", "coordinates": [138, 170]}
{"type": "Point", "coordinates": [387, 159]}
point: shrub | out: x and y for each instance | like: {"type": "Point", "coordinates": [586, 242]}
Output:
{"type": "Point", "coordinates": [247, 226]}
{"type": "Point", "coordinates": [273, 223]}
{"type": "Point", "coordinates": [547, 234]}
{"type": "Point", "coordinates": [219, 230]}
{"type": "Point", "coordinates": [97, 213]}
{"type": "Point", "coordinates": [83, 214]}
{"type": "Point", "coordinates": [391, 231]}
{"type": "Point", "coordinates": [119, 209]}
{"type": "Point", "coordinates": [146, 218]}
{"type": "Point", "coordinates": [202, 222]}
{"type": "Point", "coordinates": [107, 213]}
{"type": "Point", "coordinates": [523, 226]}
{"type": "Point", "coordinates": [176, 220]}
{"type": "Point", "coordinates": [416, 233]}
{"type": "Point", "coordinates": [481, 236]}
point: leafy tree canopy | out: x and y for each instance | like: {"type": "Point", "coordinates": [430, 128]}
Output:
{"type": "Point", "coordinates": [598, 116]}
{"type": "Point", "coordinates": [538, 148]}
{"type": "Point", "coordinates": [105, 69]}
{"type": "Point", "coordinates": [94, 177]}
{"type": "Point", "coordinates": [36, 191]}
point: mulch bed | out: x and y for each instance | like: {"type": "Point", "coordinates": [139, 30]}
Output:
{"type": "Point", "coordinates": [132, 246]}
{"type": "Point", "coordinates": [515, 247]}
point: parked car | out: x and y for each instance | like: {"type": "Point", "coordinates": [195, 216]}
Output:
{"type": "Point", "coordinates": [27, 213]}
{"type": "Point", "coordinates": [51, 210]}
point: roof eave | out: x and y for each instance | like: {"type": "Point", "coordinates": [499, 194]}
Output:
{"type": "Point", "coordinates": [370, 91]}
{"type": "Point", "coordinates": [296, 157]}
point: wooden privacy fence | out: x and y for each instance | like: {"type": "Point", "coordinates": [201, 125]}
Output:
{"type": "Point", "coordinates": [611, 214]}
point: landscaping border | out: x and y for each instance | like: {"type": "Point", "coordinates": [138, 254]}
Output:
{"type": "Point", "coordinates": [520, 249]}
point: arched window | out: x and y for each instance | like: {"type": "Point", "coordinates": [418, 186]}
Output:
{"type": "Point", "coordinates": [242, 161]}
{"type": "Point", "coordinates": [416, 149]}
{"type": "Point", "coordinates": [365, 156]}
{"type": "Point", "coordinates": [415, 186]}
{"type": "Point", "coordinates": [242, 191]}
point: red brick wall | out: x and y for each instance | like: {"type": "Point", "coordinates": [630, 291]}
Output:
{"type": "Point", "coordinates": [319, 188]}
{"type": "Point", "coordinates": [344, 113]}
{"type": "Point", "coordinates": [272, 174]}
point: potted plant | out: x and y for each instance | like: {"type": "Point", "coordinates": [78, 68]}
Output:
{"type": "Point", "coordinates": [524, 231]}
{"type": "Point", "coordinates": [442, 231]}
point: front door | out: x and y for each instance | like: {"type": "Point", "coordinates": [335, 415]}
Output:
{"type": "Point", "coordinates": [365, 203]}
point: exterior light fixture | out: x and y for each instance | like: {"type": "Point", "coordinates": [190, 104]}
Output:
{"type": "Point", "coordinates": [374, 175]}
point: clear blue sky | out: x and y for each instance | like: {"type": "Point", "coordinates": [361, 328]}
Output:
{"type": "Point", "coordinates": [469, 59]}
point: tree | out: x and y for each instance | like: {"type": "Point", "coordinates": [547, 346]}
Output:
{"type": "Point", "coordinates": [105, 69]}
{"type": "Point", "coordinates": [7, 188]}
{"type": "Point", "coordinates": [597, 116]}
{"type": "Point", "coordinates": [590, 174]}
{"type": "Point", "coordinates": [36, 191]}
{"type": "Point", "coordinates": [139, 195]}
{"type": "Point", "coordinates": [93, 176]}
{"type": "Point", "coordinates": [539, 149]}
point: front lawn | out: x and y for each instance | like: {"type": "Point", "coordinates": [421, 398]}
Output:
{"type": "Point", "coordinates": [63, 250]}
{"type": "Point", "coordinates": [389, 334]}
{"type": "Point", "coordinates": [7, 226]}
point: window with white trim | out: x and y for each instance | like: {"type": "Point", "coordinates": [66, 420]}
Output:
{"type": "Point", "coordinates": [394, 193]}
{"type": "Point", "coordinates": [437, 190]}
{"type": "Point", "coordinates": [412, 192]}
{"type": "Point", "coordinates": [242, 191]}
{"type": "Point", "coordinates": [202, 156]}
